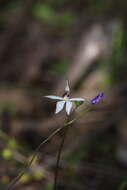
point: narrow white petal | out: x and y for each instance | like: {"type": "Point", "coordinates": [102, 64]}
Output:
{"type": "Point", "coordinates": [77, 99]}
{"type": "Point", "coordinates": [54, 97]}
{"type": "Point", "coordinates": [68, 107]}
{"type": "Point", "coordinates": [59, 106]}
{"type": "Point", "coordinates": [67, 88]}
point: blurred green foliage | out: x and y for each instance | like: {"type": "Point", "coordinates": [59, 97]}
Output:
{"type": "Point", "coordinates": [44, 12]}
{"type": "Point", "coordinates": [123, 186]}
{"type": "Point", "coordinates": [11, 107]}
{"type": "Point", "coordinates": [7, 154]}
{"type": "Point", "coordinates": [49, 186]}
{"type": "Point", "coordinates": [115, 64]}
{"type": "Point", "coordinates": [74, 159]}
{"type": "Point", "coordinates": [12, 143]}
{"type": "Point", "coordinates": [118, 66]}
{"type": "Point", "coordinates": [39, 174]}
{"type": "Point", "coordinates": [101, 6]}
{"type": "Point", "coordinates": [47, 14]}
{"type": "Point", "coordinates": [12, 6]}
{"type": "Point", "coordinates": [61, 67]}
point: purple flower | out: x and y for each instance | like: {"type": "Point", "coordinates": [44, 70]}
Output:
{"type": "Point", "coordinates": [97, 98]}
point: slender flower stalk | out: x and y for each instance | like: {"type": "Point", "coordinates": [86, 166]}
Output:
{"type": "Point", "coordinates": [12, 184]}
{"type": "Point", "coordinates": [65, 130]}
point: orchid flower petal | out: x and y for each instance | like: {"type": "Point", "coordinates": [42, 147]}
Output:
{"type": "Point", "coordinates": [67, 88]}
{"type": "Point", "coordinates": [68, 107]}
{"type": "Point", "coordinates": [59, 106]}
{"type": "Point", "coordinates": [54, 97]}
{"type": "Point", "coordinates": [77, 99]}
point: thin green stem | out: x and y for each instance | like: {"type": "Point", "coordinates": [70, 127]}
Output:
{"type": "Point", "coordinates": [12, 184]}
{"type": "Point", "coordinates": [65, 130]}
{"type": "Point", "coordinates": [58, 158]}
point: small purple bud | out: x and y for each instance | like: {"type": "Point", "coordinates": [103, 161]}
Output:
{"type": "Point", "coordinates": [97, 98]}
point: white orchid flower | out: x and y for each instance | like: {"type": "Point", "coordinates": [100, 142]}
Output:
{"type": "Point", "coordinates": [65, 101]}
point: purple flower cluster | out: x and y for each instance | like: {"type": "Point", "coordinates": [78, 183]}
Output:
{"type": "Point", "coordinates": [97, 98]}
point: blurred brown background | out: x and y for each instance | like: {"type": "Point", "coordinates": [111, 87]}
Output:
{"type": "Point", "coordinates": [42, 43]}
